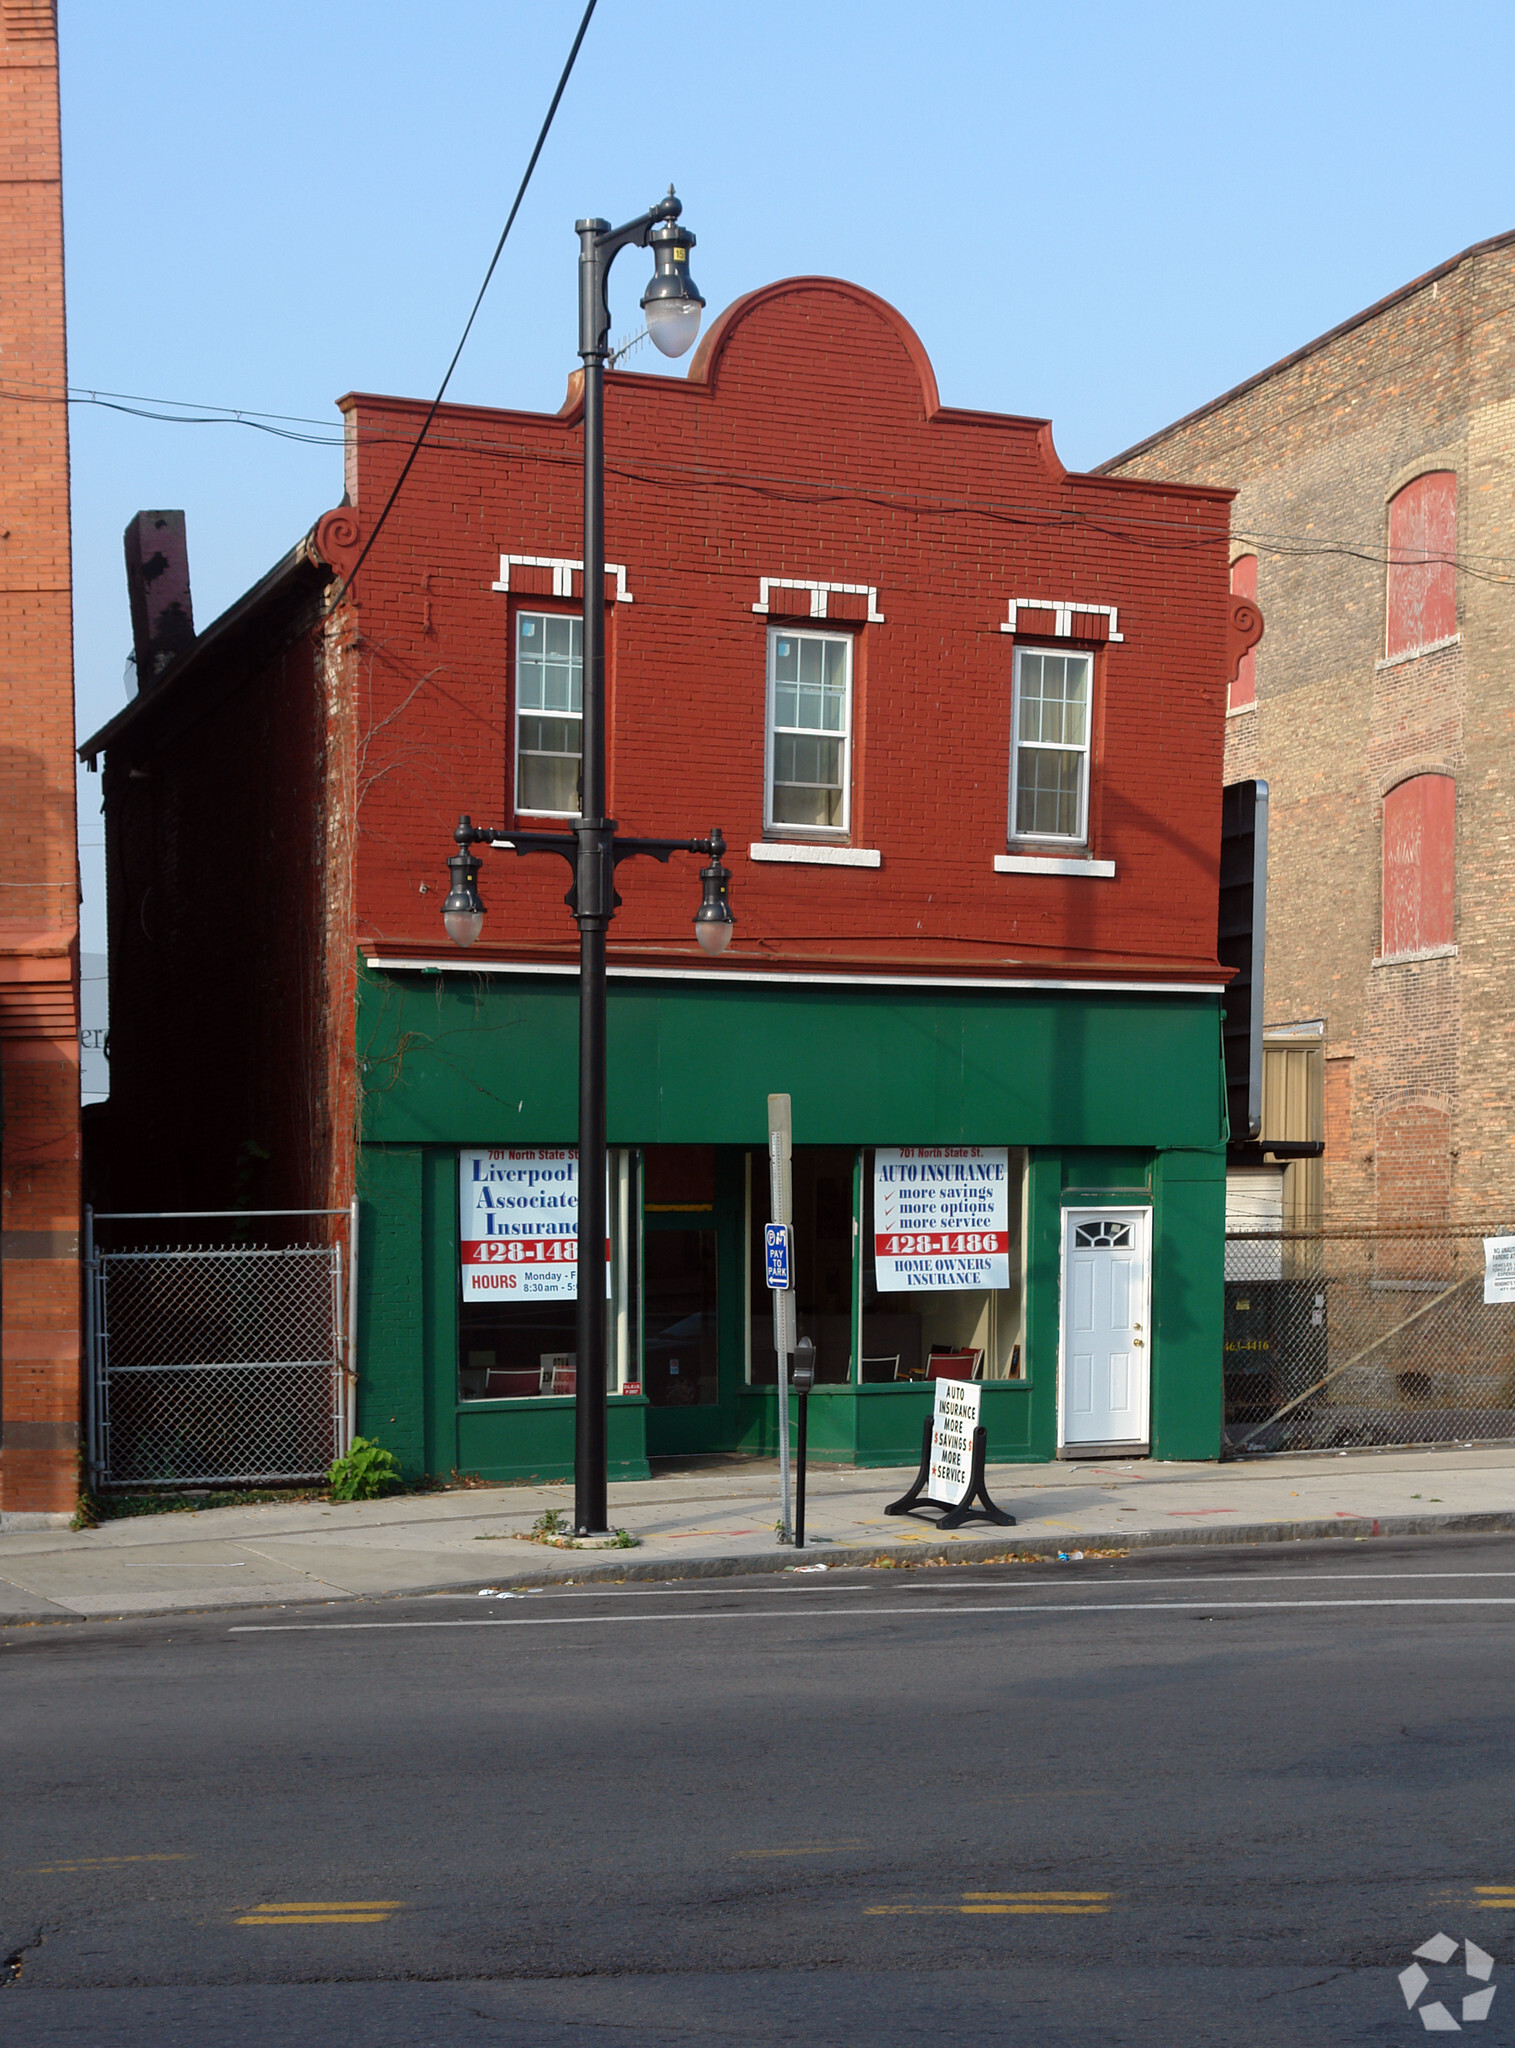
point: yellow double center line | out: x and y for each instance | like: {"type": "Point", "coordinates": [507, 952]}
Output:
{"type": "Point", "coordinates": [1011, 1902]}
{"type": "Point", "coordinates": [321, 1913]}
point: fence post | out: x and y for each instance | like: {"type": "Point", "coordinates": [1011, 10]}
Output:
{"type": "Point", "coordinates": [350, 1377]}
{"type": "Point", "coordinates": [91, 1397]}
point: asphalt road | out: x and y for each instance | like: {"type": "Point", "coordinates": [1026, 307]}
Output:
{"type": "Point", "coordinates": [1190, 1798]}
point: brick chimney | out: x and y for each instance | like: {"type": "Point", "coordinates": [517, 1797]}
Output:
{"type": "Point", "coordinates": [157, 581]}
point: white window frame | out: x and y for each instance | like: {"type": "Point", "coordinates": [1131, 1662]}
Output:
{"type": "Point", "coordinates": [528, 810]}
{"type": "Point", "coordinates": [1017, 835]}
{"type": "Point", "coordinates": [828, 834]}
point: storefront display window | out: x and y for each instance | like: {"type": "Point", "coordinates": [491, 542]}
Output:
{"type": "Point", "coordinates": [941, 1289]}
{"type": "Point", "coordinates": [931, 1288]}
{"type": "Point", "coordinates": [518, 1312]}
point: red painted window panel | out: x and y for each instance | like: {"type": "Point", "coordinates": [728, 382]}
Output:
{"type": "Point", "coordinates": [1419, 846]}
{"type": "Point", "coordinates": [1244, 584]}
{"type": "Point", "coordinates": [1422, 602]}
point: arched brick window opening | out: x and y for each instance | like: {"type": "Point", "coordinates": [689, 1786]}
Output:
{"type": "Point", "coordinates": [1244, 584]}
{"type": "Point", "coordinates": [1422, 590]}
{"type": "Point", "coordinates": [1419, 864]}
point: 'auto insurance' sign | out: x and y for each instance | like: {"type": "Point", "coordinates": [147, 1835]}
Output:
{"type": "Point", "coordinates": [518, 1215]}
{"type": "Point", "coordinates": [941, 1216]}
{"type": "Point", "coordinates": [954, 1419]}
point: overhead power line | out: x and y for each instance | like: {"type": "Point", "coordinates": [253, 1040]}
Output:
{"type": "Point", "coordinates": [351, 577]}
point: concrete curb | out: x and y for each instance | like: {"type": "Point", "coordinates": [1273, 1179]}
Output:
{"type": "Point", "coordinates": [837, 1557]}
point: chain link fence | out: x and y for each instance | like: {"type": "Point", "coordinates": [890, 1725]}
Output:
{"type": "Point", "coordinates": [218, 1364]}
{"type": "Point", "coordinates": [1337, 1338]}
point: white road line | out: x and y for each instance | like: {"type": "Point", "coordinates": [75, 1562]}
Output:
{"type": "Point", "coordinates": [910, 1613]}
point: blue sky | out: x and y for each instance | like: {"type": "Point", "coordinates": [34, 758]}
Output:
{"type": "Point", "coordinates": [1103, 214]}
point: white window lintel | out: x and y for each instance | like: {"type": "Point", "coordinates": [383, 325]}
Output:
{"type": "Point", "coordinates": [563, 573]}
{"type": "Point", "coordinates": [819, 593]}
{"type": "Point", "coordinates": [1062, 609]}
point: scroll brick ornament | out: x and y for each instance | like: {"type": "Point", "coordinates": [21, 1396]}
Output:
{"type": "Point", "coordinates": [1244, 628]}
{"type": "Point", "coordinates": [338, 539]}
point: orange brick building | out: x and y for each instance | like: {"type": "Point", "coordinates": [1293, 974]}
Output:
{"type": "Point", "coordinates": [39, 875]}
{"type": "Point", "coordinates": [1375, 492]}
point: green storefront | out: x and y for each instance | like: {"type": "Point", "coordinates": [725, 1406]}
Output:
{"type": "Point", "coordinates": [1102, 1105]}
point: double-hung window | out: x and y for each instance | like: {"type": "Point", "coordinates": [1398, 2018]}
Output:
{"type": "Point", "coordinates": [1049, 760]}
{"type": "Point", "coordinates": [549, 712]}
{"type": "Point", "coordinates": [809, 731]}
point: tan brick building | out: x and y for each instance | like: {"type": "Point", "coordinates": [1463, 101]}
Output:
{"type": "Point", "coordinates": [39, 878]}
{"type": "Point", "coordinates": [1375, 523]}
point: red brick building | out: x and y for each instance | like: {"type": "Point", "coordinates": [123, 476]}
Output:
{"type": "Point", "coordinates": [1375, 474]}
{"type": "Point", "coordinates": [39, 882]}
{"type": "Point", "coordinates": [960, 715]}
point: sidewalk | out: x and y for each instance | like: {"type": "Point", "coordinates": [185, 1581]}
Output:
{"type": "Point", "coordinates": [709, 1523]}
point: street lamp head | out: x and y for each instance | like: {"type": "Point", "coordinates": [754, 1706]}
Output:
{"type": "Point", "coordinates": [714, 921]}
{"type": "Point", "coordinates": [463, 912]}
{"type": "Point", "coordinates": [672, 303]}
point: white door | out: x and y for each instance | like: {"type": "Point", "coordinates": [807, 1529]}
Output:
{"type": "Point", "coordinates": [1107, 1327]}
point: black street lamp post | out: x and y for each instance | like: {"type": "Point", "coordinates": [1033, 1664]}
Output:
{"type": "Point", "coordinates": [593, 849]}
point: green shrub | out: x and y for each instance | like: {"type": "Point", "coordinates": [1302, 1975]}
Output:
{"type": "Point", "coordinates": [367, 1471]}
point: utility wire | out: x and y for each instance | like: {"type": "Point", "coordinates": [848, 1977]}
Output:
{"type": "Point", "coordinates": [351, 577]}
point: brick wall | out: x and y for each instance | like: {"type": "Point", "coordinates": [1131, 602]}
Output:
{"type": "Point", "coordinates": [39, 1041]}
{"type": "Point", "coordinates": [807, 442]}
{"type": "Point", "coordinates": [216, 845]}
{"type": "Point", "coordinates": [1317, 447]}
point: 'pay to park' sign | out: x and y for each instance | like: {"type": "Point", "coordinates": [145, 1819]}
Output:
{"type": "Point", "coordinates": [941, 1216]}
{"type": "Point", "coordinates": [952, 1425]}
{"type": "Point", "coordinates": [518, 1222]}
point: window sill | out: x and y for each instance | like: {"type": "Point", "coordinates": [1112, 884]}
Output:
{"type": "Point", "coordinates": [1414, 653]}
{"type": "Point", "coordinates": [1049, 864]}
{"type": "Point", "coordinates": [1240, 710]}
{"type": "Point", "coordinates": [806, 853]}
{"type": "Point", "coordinates": [1414, 959]}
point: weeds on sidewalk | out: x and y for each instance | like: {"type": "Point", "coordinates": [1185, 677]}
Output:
{"type": "Point", "coordinates": [367, 1472]}
{"type": "Point", "coordinates": [552, 1528]}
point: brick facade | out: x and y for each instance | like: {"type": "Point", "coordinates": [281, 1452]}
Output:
{"type": "Point", "coordinates": [1419, 1049]}
{"type": "Point", "coordinates": [322, 754]}
{"type": "Point", "coordinates": [39, 1034]}
{"type": "Point", "coordinates": [806, 443]}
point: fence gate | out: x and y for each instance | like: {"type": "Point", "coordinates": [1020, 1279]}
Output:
{"type": "Point", "coordinates": [1336, 1338]}
{"type": "Point", "coordinates": [219, 1363]}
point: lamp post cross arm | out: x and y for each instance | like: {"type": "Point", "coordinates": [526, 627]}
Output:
{"type": "Point", "coordinates": [599, 245]}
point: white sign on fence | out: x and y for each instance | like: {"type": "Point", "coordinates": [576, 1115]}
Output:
{"type": "Point", "coordinates": [518, 1222]}
{"type": "Point", "coordinates": [952, 1425]}
{"type": "Point", "coordinates": [1499, 1269]}
{"type": "Point", "coordinates": [941, 1216]}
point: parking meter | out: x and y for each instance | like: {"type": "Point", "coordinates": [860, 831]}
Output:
{"type": "Point", "coordinates": [802, 1372]}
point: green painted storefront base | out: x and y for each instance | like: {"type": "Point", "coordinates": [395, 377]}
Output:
{"type": "Point", "coordinates": [882, 1425]}
{"type": "Point", "coordinates": [1115, 1098]}
{"type": "Point", "coordinates": [532, 1440]}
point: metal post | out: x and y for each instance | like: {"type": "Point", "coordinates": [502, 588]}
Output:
{"type": "Point", "coordinates": [595, 887]}
{"type": "Point", "coordinates": [803, 1403]}
{"type": "Point", "coordinates": [781, 1207]}
{"type": "Point", "coordinates": [350, 1404]}
{"type": "Point", "coordinates": [91, 1430]}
